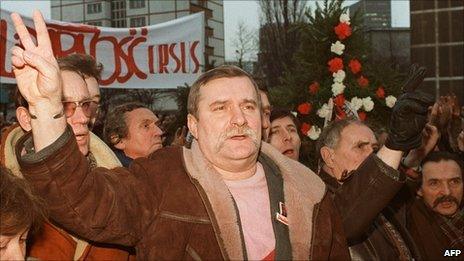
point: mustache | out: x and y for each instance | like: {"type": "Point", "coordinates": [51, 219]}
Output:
{"type": "Point", "coordinates": [445, 198]}
{"type": "Point", "coordinates": [245, 131]}
{"type": "Point", "coordinates": [239, 131]}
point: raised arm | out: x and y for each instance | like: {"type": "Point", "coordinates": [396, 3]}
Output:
{"type": "Point", "coordinates": [39, 81]}
{"type": "Point", "coordinates": [408, 119]}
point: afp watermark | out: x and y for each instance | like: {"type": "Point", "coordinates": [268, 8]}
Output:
{"type": "Point", "coordinates": [452, 252]}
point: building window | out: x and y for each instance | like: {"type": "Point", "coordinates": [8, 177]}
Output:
{"type": "Point", "coordinates": [137, 22]}
{"type": "Point", "coordinates": [94, 8]}
{"type": "Point", "coordinates": [95, 23]}
{"type": "Point", "coordinates": [134, 4]}
{"type": "Point", "coordinates": [118, 13]}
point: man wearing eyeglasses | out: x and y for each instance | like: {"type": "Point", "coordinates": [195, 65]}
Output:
{"type": "Point", "coordinates": [91, 70]}
{"type": "Point", "coordinates": [78, 108]}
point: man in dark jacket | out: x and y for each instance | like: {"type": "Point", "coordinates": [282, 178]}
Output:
{"type": "Point", "coordinates": [436, 218]}
{"type": "Point", "coordinates": [363, 183]}
{"type": "Point", "coordinates": [228, 197]}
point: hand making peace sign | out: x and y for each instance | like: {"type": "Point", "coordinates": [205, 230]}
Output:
{"type": "Point", "coordinates": [35, 68]}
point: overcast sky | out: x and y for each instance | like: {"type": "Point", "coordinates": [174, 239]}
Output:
{"type": "Point", "coordinates": [234, 12]}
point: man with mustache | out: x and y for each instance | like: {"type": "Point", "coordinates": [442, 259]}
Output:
{"type": "Point", "coordinates": [436, 218]}
{"type": "Point", "coordinates": [133, 131]}
{"type": "Point", "coordinates": [227, 197]}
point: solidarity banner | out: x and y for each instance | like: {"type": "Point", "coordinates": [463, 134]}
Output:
{"type": "Point", "coordinates": [165, 55]}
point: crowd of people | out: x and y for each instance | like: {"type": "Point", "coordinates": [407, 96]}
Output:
{"type": "Point", "coordinates": [230, 186]}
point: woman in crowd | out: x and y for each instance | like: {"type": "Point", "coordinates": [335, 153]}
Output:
{"type": "Point", "coordinates": [21, 214]}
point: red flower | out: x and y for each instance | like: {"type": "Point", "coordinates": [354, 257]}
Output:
{"type": "Point", "coordinates": [339, 100]}
{"type": "Point", "coordinates": [314, 88]}
{"type": "Point", "coordinates": [305, 127]}
{"type": "Point", "coordinates": [341, 114]}
{"type": "Point", "coordinates": [342, 30]}
{"type": "Point", "coordinates": [380, 92]}
{"type": "Point", "coordinates": [362, 81]}
{"type": "Point", "coordinates": [335, 65]}
{"type": "Point", "coordinates": [355, 66]}
{"type": "Point", "coordinates": [304, 108]}
{"type": "Point", "coordinates": [362, 115]}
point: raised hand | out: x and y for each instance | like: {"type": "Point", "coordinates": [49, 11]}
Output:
{"type": "Point", "coordinates": [409, 115]}
{"type": "Point", "coordinates": [35, 68]}
{"type": "Point", "coordinates": [39, 81]}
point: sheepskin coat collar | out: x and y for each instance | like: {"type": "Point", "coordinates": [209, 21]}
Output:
{"type": "Point", "coordinates": [103, 155]}
{"type": "Point", "coordinates": [303, 189]}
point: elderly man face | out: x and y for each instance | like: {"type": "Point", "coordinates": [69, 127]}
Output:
{"type": "Point", "coordinates": [356, 142]}
{"type": "Point", "coordinates": [228, 128]}
{"type": "Point", "coordinates": [77, 107]}
{"type": "Point", "coordinates": [143, 134]}
{"type": "Point", "coordinates": [442, 186]}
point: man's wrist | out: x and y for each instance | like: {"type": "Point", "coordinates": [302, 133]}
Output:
{"type": "Point", "coordinates": [46, 110]}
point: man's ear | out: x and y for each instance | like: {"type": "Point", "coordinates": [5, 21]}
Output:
{"type": "Point", "coordinates": [24, 118]}
{"type": "Point", "coordinates": [118, 143]}
{"type": "Point", "coordinates": [192, 124]}
{"type": "Point", "coordinates": [327, 156]}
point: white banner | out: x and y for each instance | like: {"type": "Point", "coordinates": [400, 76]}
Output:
{"type": "Point", "coordinates": [165, 55]}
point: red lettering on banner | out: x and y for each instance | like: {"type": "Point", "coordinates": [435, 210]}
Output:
{"type": "Point", "coordinates": [3, 41]}
{"type": "Point", "coordinates": [120, 54]}
{"type": "Point", "coordinates": [193, 57]}
{"type": "Point", "coordinates": [77, 33]}
{"type": "Point", "coordinates": [151, 59]}
{"type": "Point", "coordinates": [167, 58]}
{"type": "Point", "coordinates": [174, 56]}
{"type": "Point", "coordinates": [182, 55]}
{"type": "Point", "coordinates": [163, 57]}
{"type": "Point", "coordinates": [168, 51]}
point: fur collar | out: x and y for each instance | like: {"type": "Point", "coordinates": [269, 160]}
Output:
{"type": "Point", "coordinates": [303, 189]}
{"type": "Point", "coordinates": [9, 139]}
{"type": "Point", "coordinates": [104, 156]}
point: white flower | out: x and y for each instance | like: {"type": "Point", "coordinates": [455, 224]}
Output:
{"type": "Point", "coordinates": [339, 76]}
{"type": "Point", "coordinates": [323, 111]}
{"type": "Point", "coordinates": [314, 132]}
{"type": "Point", "coordinates": [368, 104]}
{"type": "Point", "coordinates": [345, 18]}
{"type": "Point", "coordinates": [294, 113]}
{"type": "Point", "coordinates": [390, 101]}
{"type": "Point", "coordinates": [337, 88]}
{"type": "Point", "coordinates": [356, 103]}
{"type": "Point", "coordinates": [337, 48]}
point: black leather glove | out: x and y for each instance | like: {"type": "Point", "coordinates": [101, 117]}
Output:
{"type": "Point", "coordinates": [409, 115]}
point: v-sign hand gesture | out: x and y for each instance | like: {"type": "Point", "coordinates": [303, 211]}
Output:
{"type": "Point", "coordinates": [39, 81]}
{"type": "Point", "coordinates": [35, 68]}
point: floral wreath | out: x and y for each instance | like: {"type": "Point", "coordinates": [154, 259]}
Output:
{"type": "Point", "coordinates": [357, 107]}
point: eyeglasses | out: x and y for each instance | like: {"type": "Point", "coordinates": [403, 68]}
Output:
{"type": "Point", "coordinates": [89, 107]}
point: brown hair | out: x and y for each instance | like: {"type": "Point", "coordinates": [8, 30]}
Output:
{"type": "Point", "coordinates": [84, 64]}
{"type": "Point", "coordinates": [115, 127]}
{"type": "Point", "coordinates": [279, 113]}
{"type": "Point", "coordinates": [437, 156]}
{"type": "Point", "coordinates": [20, 209]}
{"type": "Point", "coordinates": [225, 71]}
